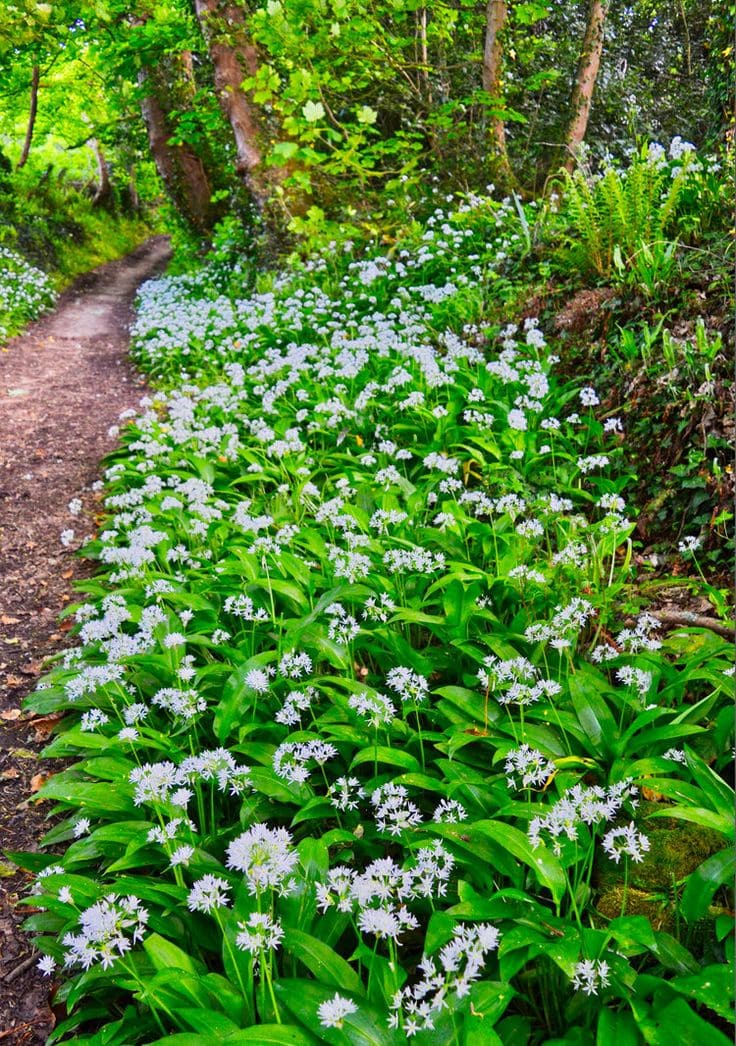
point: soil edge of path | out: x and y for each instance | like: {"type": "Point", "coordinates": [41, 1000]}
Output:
{"type": "Point", "coordinates": [63, 385]}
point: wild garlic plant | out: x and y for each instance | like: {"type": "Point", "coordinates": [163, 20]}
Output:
{"type": "Point", "coordinates": [359, 720]}
{"type": "Point", "coordinates": [25, 292]}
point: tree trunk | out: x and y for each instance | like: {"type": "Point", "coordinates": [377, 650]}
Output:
{"type": "Point", "coordinates": [424, 84]}
{"type": "Point", "coordinates": [234, 58]}
{"type": "Point", "coordinates": [103, 195]}
{"type": "Point", "coordinates": [135, 200]}
{"type": "Point", "coordinates": [582, 92]}
{"type": "Point", "coordinates": [31, 118]}
{"type": "Point", "coordinates": [496, 14]}
{"type": "Point", "coordinates": [181, 170]}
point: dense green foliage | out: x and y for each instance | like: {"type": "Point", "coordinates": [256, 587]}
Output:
{"type": "Point", "coordinates": [375, 739]}
{"type": "Point", "coordinates": [376, 728]}
{"type": "Point", "coordinates": [345, 98]}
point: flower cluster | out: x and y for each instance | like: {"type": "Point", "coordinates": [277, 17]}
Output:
{"type": "Point", "coordinates": [109, 929]}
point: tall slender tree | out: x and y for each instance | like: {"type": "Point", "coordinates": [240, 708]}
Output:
{"type": "Point", "coordinates": [32, 111]}
{"type": "Point", "coordinates": [496, 16]}
{"type": "Point", "coordinates": [585, 78]}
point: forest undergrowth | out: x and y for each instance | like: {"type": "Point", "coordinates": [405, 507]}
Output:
{"type": "Point", "coordinates": [376, 737]}
{"type": "Point", "coordinates": [53, 232]}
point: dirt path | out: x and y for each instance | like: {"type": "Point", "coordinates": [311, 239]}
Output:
{"type": "Point", "coordinates": [63, 386]}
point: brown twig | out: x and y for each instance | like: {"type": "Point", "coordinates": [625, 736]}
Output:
{"type": "Point", "coordinates": [20, 968]}
{"type": "Point", "coordinates": [685, 617]}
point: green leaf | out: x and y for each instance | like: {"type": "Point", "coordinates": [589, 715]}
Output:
{"type": "Point", "coordinates": [475, 848]}
{"type": "Point", "coordinates": [238, 698]}
{"type": "Point", "coordinates": [712, 987]}
{"type": "Point", "coordinates": [323, 963]}
{"type": "Point", "coordinates": [207, 1021]}
{"type": "Point", "coordinates": [92, 798]}
{"type": "Point", "coordinates": [365, 1027]}
{"type": "Point", "coordinates": [673, 955]}
{"type": "Point", "coordinates": [439, 931]}
{"type": "Point", "coordinates": [185, 1038]}
{"type": "Point", "coordinates": [632, 931]}
{"type": "Point", "coordinates": [543, 863]}
{"type": "Point", "coordinates": [267, 1034]}
{"type": "Point", "coordinates": [698, 815]}
{"type": "Point", "coordinates": [164, 955]}
{"type": "Point", "coordinates": [387, 757]}
{"type": "Point", "coordinates": [594, 716]}
{"type": "Point", "coordinates": [490, 1000]}
{"type": "Point", "coordinates": [284, 151]}
{"type": "Point", "coordinates": [720, 795]}
{"type": "Point", "coordinates": [678, 1025]}
{"type": "Point", "coordinates": [702, 884]}
{"type": "Point", "coordinates": [616, 1029]}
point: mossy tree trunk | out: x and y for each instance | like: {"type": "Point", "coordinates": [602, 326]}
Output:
{"type": "Point", "coordinates": [182, 171]}
{"type": "Point", "coordinates": [32, 111]}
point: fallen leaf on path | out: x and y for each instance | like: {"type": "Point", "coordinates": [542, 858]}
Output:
{"type": "Point", "coordinates": [32, 669]}
{"type": "Point", "coordinates": [38, 781]}
{"type": "Point", "coordinates": [5, 619]}
{"type": "Point", "coordinates": [13, 681]}
{"type": "Point", "coordinates": [10, 775]}
{"type": "Point", "coordinates": [43, 726]}
{"type": "Point", "coordinates": [10, 714]}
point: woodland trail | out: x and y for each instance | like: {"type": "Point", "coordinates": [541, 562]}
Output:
{"type": "Point", "coordinates": [63, 386]}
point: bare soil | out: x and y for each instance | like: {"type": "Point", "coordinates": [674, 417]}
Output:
{"type": "Point", "coordinates": [63, 386]}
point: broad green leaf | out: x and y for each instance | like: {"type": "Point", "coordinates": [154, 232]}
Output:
{"type": "Point", "coordinates": [285, 151]}
{"type": "Point", "coordinates": [164, 955]}
{"type": "Point", "coordinates": [388, 757]}
{"type": "Point", "coordinates": [365, 1027]}
{"type": "Point", "coordinates": [712, 986]}
{"type": "Point", "coordinates": [207, 1021]}
{"type": "Point", "coordinates": [185, 1038]}
{"type": "Point", "coordinates": [271, 1035]}
{"type": "Point", "coordinates": [616, 1029]}
{"type": "Point", "coordinates": [632, 931]}
{"type": "Point", "coordinates": [489, 1000]}
{"type": "Point", "coordinates": [543, 863]}
{"type": "Point", "coordinates": [678, 1025]}
{"type": "Point", "coordinates": [91, 798]}
{"type": "Point", "coordinates": [474, 848]}
{"type": "Point", "coordinates": [322, 962]}
{"type": "Point", "coordinates": [698, 815]}
{"type": "Point", "coordinates": [720, 795]}
{"type": "Point", "coordinates": [702, 884]}
{"type": "Point", "coordinates": [672, 954]}
{"type": "Point", "coordinates": [238, 698]}
{"type": "Point", "coordinates": [586, 689]}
